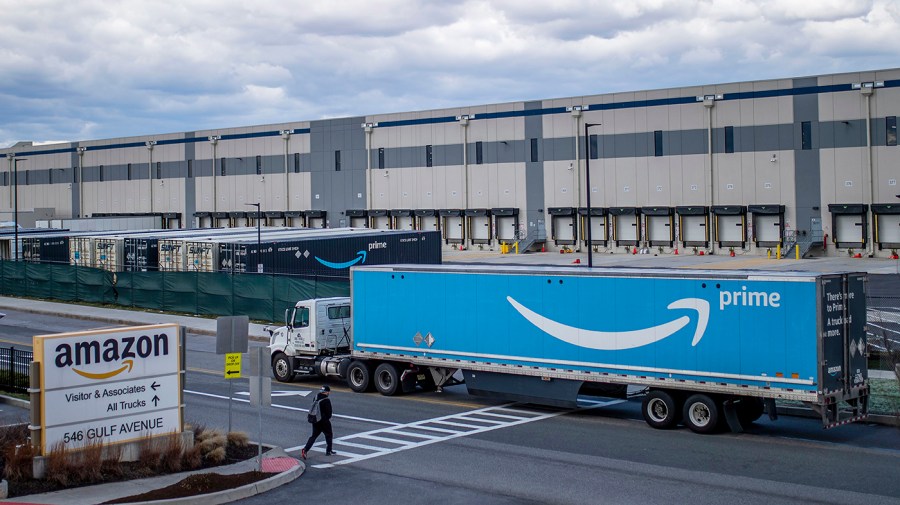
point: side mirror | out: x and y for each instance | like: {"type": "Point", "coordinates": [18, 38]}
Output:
{"type": "Point", "coordinates": [287, 316]}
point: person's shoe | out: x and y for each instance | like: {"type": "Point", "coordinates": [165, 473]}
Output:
{"type": "Point", "coordinates": [303, 453]}
{"type": "Point", "coordinates": [330, 453]}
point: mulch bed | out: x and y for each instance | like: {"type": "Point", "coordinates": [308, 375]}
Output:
{"type": "Point", "coordinates": [134, 470]}
{"type": "Point", "coordinates": [197, 484]}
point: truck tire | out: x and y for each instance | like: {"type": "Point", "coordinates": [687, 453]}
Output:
{"type": "Point", "coordinates": [701, 414]}
{"type": "Point", "coordinates": [281, 368]}
{"type": "Point", "coordinates": [661, 410]}
{"type": "Point", "coordinates": [387, 379]}
{"type": "Point", "coordinates": [749, 410]}
{"type": "Point", "coordinates": [359, 377]}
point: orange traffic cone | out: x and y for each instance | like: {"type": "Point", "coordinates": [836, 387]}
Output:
{"type": "Point", "coordinates": [634, 250]}
{"type": "Point", "coordinates": [701, 253]}
{"type": "Point", "coordinates": [577, 261]}
{"type": "Point", "coordinates": [732, 254]}
{"type": "Point", "coordinates": [676, 251]}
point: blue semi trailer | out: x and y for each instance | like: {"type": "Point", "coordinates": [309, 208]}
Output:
{"type": "Point", "coordinates": [705, 348]}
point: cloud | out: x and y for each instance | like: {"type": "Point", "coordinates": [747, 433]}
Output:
{"type": "Point", "coordinates": [99, 69]}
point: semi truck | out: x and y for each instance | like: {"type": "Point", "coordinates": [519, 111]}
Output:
{"type": "Point", "coordinates": [710, 349]}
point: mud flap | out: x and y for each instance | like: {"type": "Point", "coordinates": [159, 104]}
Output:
{"type": "Point", "coordinates": [734, 423]}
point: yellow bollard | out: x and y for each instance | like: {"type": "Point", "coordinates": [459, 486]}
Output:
{"type": "Point", "coordinates": [517, 247]}
{"type": "Point", "coordinates": [769, 253]}
{"type": "Point", "coordinates": [778, 252]}
{"type": "Point", "coordinates": [796, 252]}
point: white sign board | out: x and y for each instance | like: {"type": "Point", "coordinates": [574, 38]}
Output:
{"type": "Point", "coordinates": [114, 385]}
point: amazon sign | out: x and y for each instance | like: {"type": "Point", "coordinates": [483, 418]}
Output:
{"type": "Point", "coordinates": [114, 385]}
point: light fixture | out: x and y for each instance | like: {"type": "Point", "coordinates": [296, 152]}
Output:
{"type": "Point", "coordinates": [774, 158]}
{"type": "Point", "coordinates": [385, 173]}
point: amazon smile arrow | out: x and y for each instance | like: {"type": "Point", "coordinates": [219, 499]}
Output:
{"type": "Point", "coordinates": [619, 340]}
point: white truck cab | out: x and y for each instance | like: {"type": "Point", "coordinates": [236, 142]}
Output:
{"type": "Point", "coordinates": [313, 329]}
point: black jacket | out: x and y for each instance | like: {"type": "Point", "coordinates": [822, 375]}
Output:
{"type": "Point", "coordinates": [324, 406]}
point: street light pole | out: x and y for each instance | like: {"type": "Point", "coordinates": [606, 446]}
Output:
{"type": "Point", "coordinates": [258, 236]}
{"type": "Point", "coordinates": [587, 188]}
{"type": "Point", "coordinates": [16, 203]}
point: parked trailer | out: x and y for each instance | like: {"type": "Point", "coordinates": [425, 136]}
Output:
{"type": "Point", "coordinates": [332, 254]}
{"type": "Point", "coordinates": [709, 348]}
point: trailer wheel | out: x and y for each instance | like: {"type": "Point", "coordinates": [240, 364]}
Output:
{"type": "Point", "coordinates": [387, 379]}
{"type": "Point", "coordinates": [660, 409]}
{"type": "Point", "coordinates": [281, 368]}
{"type": "Point", "coordinates": [749, 410]}
{"type": "Point", "coordinates": [359, 377]}
{"type": "Point", "coordinates": [701, 414]}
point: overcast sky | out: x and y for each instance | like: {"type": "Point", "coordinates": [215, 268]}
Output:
{"type": "Point", "coordinates": [93, 69]}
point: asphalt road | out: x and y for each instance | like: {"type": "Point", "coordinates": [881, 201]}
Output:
{"type": "Point", "coordinates": [391, 450]}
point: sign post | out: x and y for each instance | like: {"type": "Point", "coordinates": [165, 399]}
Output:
{"type": "Point", "coordinates": [232, 339]}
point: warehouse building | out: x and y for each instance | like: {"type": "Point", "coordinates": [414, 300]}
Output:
{"type": "Point", "coordinates": [807, 163]}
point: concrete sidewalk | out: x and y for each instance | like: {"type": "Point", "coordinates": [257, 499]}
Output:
{"type": "Point", "coordinates": [199, 325]}
{"type": "Point", "coordinates": [284, 469]}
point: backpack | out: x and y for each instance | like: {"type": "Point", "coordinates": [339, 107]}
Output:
{"type": "Point", "coordinates": [315, 414]}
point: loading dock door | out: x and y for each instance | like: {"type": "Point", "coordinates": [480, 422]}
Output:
{"type": "Point", "coordinates": [295, 219]}
{"type": "Point", "coordinates": [562, 225]}
{"type": "Point", "coordinates": [357, 218]}
{"type": "Point", "coordinates": [659, 230]}
{"type": "Point", "coordinates": [626, 225]}
{"type": "Point", "coordinates": [768, 224]}
{"type": "Point", "coordinates": [402, 219]}
{"type": "Point", "coordinates": [660, 226]}
{"type": "Point", "coordinates": [506, 222]}
{"type": "Point", "coordinates": [694, 231]}
{"type": "Point", "coordinates": [599, 228]}
{"type": "Point", "coordinates": [886, 219]}
{"type": "Point", "coordinates": [427, 220]}
{"type": "Point", "coordinates": [849, 230]}
{"type": "Point", "coordinates": [316, 218]}
{"type": "Point", "coordinates": [730, 225]}
{"type": "Point", "coordinates": [379, 219]}
{"type": "Point", "coordinates": [730, 230]}
{"type": "Point", "coordinates": [849, 224]}
{"type": "Point", "coordinates": [693, 225]}
{"type": "Point", "coordinates": [453, 226]}
{"type": "Point", "coordinates": [479, 223]}
{"type": "Point", "coordinates": [887, 227]}
{"type": "Point", "coordinates": [768, 230]}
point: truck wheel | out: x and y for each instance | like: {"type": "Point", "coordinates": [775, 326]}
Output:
{"type": "Point", "coordinates": [660, 409]}
{"type": "Point", "coordinates": [281, 368]}
{"type": "Point", "coordinates": [387, 379]}
{"type": "Point", "coordinates": [701, 414]}
{"type": "Point", "coordinates": [359, 377]}
{"type": "Point", "coordinates": [749, 410]}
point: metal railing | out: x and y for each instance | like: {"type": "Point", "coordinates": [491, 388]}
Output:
{"type": "Point", "coordinates": [15, 365]}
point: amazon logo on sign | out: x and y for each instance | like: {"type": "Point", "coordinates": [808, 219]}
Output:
{"type": "Point", "coordinates": [620, 340]}
{"type": "Point", "coordinates": [82, 356]}
{"type": "Point", "coordinates": [360, 258]}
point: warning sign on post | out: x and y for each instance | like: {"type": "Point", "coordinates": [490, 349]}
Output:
{"type": "Point", "coordinates": [233, 365]}
{"type": "Point", "coordinates": [109, 386]}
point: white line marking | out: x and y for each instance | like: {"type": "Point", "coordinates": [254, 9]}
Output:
{"type": "Point", "coordinates": [389, 440]}
{"type": "Point", "coordinates": [297, 409]}
{"type": "Point", "coordinates": [443, 420]}
{"type": "Point", "coordinates": [461, 425]}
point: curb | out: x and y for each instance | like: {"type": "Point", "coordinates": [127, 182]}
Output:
{"type": "Point", "coordinates": [239, 493]}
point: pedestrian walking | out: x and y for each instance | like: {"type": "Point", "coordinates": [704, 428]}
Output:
{"type": "Point", "coordinates": [320, 417]}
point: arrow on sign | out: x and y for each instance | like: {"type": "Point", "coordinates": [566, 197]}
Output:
{"type": "Point", "coordinates": [155, 400]}
{"type": "Point", "coordinates": [154, 386]}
